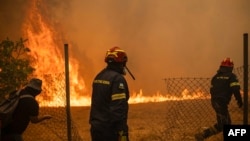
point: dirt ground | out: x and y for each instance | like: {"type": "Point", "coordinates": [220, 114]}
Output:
{"type": "Point", "coordinates": [159, 121]}
{"type": "Point", "coordinates": [145, 121]}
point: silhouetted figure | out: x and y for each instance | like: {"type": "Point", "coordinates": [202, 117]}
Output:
{"type": "Point", "coordinates": [27, 111]}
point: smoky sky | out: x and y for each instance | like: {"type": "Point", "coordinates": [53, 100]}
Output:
{"type": "Point", "coordinates": [11, 18]}
{"type": "Point", "coordinates": [163, 38]}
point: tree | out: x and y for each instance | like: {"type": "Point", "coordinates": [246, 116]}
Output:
{"type": "Point", "coordinates": [14, 65]}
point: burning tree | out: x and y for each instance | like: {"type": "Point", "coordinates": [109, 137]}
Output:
{"type": "Point", "coordinates": [14, 65]}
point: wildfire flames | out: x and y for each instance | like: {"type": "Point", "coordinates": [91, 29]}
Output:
{"type": "Point", "coordinates": [46, 47]}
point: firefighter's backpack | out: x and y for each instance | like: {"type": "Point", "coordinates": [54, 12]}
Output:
{"type": "Point", "coordinates": [8, 106]}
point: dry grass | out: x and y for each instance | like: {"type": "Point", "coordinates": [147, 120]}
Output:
{"type": "Point", "coordinates": [144, 120]}
{"type": "Point", "coordinates": [147, 122]}
{"type": "Point", "coordinates": [162, 121]}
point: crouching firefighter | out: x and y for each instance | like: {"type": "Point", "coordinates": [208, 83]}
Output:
{"type": "Point", "coordinates": [224, 84]}
{"type": "Point", "coordinates": [109, 100]}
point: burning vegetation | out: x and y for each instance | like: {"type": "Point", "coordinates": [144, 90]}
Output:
{"type": "Point", "coordinates": [46, 39]}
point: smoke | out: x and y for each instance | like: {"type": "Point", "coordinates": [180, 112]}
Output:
{"type": "Point", "coordinates": [170, 38]}
{"type": "Point", "coordinates": [11, 18]}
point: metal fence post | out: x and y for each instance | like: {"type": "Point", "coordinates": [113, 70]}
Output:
{"type": "Point", "coordinates": [67, 92]}
{"type": "Point", "coordinates": [245, 78]}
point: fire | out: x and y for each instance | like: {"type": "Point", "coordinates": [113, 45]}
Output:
{"type": "Point", "coordinates": [158, 97]}
{"type": "Point", "coordinates": [46, 47]}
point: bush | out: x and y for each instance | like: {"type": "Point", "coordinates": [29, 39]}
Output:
{"type": "Point", "coordinates": [14, 65]}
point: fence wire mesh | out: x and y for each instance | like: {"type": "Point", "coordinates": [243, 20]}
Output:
{"type": "Point", "coordinates": [185, 116]}
{"type": "Point", "coordinates": [194, 112]}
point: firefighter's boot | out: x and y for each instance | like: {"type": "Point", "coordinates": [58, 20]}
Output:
{"type": "Point", "coordinates": [206, 133]}
{"type": "Point", "coordinates": [199, 137]}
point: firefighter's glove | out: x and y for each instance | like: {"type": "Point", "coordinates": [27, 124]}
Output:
{"type": "Point", "coordinates": [122, 136]}
{"type": "Point", "coordinates": [240, 104]}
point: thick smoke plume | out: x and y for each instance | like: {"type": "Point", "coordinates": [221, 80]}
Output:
{"type": "Point", "coordinates": [162, 38]}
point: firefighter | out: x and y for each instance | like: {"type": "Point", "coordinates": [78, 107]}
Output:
{"type": "Point", "coordinates": [224, 84]}
{"type": "Point", "coordinates": [109, 100]}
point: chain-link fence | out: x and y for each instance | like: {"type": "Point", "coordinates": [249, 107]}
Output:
{"type": "Point", "coordinates": [194, 112]}
{"type": "Point", "coordinates": [53, 102]}
{"type": "Point", "coordinates": [185, 116]}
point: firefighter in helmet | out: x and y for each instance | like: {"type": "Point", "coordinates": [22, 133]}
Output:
{"type": "Point", "coordinates": [109, 101]}
{"type": "Point", "coordinates": [224, 84]}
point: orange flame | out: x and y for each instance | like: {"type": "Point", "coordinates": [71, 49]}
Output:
{"type": "Point", "coordinates": [158, 97]}
{"type": "Point", "coordinates": [45, 48]}
{"type": "Point", "coordinates": [48, 56]}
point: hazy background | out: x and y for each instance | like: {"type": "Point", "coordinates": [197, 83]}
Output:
{"type": "Point", "coordinates": [163, 38]}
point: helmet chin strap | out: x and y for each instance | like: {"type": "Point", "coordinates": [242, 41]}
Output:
{"type": "Point", "coordinates": [129, 72]}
